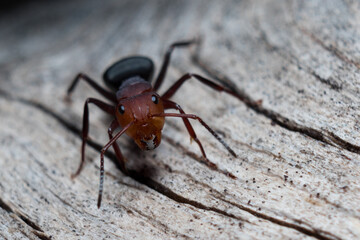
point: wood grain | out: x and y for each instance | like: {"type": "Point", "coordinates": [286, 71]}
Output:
{"type": "Point", "coordinates": [298, 164]}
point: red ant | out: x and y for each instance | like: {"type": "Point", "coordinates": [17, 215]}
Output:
{"type": "Point", "coordinates": [138, 110]}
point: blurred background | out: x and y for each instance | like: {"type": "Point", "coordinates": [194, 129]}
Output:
{"type": "Point", "coordinates": [297, 167]}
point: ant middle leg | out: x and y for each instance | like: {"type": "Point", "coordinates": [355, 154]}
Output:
{"type": "Point", "coordinates": [107, 94]}
{"type": "Point", "coordinates": [164, 67]}
{"type": "Point", "coordinates": [103, 106]}
{"type": "Point", "coordinates": [172, 90]}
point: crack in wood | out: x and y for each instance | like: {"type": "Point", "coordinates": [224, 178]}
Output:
{"type": "Point", "coordinates": [310, 231]}
{"type": "Point", "coordinates": [329, 81]}
{"type": "Point", "coordinates": [155, 223]}
{"type": "Point", "coordinates": [35, 228]}
{"type": "Point", "coordinates": [320, 234]}
{"type": "Point", "coordinates": [326, 137]}
{"type": "Point", "coordinates": [331, 48]}
{"type": "Point", "coordinates": [151, 219]}
{"type": "Point", "coordinates": [197, 158]}
{"type": "Point", "coordinates": [267, 173]}
{"type": "Point", "coordinates": [30, 223]}
{"type": "Point", "coordinates": [160, 188]}
{"type": "Point", "coordinates": [6, 207]}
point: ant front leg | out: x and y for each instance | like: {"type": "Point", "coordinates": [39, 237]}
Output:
{"type": "Point", "coordinates": [166, 62]}
{"type": "Point", "coordinates": [109, 95]}
{"type": "Point", "coordinates": [103, 106]}
{"type": "Point", "coordinates": [172, 105]}
{"type": "Point", "coordinates": [102, 153]}
{"type": "Point", "coordinates": [113, 126]}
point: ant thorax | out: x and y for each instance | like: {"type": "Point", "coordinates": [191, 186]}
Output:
{"type": "Point", "coordinates": [132, 87]}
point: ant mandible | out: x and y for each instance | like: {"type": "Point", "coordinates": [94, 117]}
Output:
{"type": "Point", "coordinates": [138, 110]}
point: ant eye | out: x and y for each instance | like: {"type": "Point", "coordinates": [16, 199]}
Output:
{"type": "Point", "coordinates": [154, 99]}
{"type": "Point", "coordinates": [121, 109]}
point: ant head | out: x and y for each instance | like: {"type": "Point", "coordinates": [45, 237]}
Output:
{"type": "Point", "coordinates": [146, 130]}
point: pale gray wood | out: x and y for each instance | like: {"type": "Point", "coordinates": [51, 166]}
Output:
{"type": "Point", "coordinates": [298, 159]}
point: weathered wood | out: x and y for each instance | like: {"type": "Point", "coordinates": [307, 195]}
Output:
{"type": "Point", "coordinates": [298, 158]}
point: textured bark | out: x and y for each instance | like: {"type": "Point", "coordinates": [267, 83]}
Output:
{"type": "Point", "coordinates": [298, 164]}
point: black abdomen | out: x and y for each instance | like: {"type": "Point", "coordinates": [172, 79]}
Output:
{"type": "Point", "coordinates": [126, 68]}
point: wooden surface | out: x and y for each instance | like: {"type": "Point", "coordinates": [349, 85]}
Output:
{"type": "Point", "coordinates": [298, 158]}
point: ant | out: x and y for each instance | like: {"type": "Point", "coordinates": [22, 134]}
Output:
{"type": "Point", "coordinates": [138, 109]}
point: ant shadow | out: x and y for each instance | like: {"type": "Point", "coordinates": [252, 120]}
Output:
{"type": "Point", "coordinates": [137, 165]}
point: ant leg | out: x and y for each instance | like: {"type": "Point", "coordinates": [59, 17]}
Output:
{"type": "Point", "coordinates": [172, 105]}
{"type": "Point", "coordinates": [171, 91]}
{"type": "Point", "coordinates": [193, 116]}
{"type": "Point", "coordinates": [113, 126]}
{"type": "Point", "coordinates": [103, 106]}
{"type": "Point", "coordinates": [103, 150]}
{"type": "Point", "coordinates": [164, 67]}
{"type": "Point", "coordinates": [109, 95]}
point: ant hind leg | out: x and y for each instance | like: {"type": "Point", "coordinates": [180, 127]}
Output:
{"type": "Point", "coordinates": [107, 94]}
{"type": "Point", "coordinates": [164, 67]}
